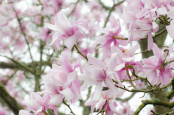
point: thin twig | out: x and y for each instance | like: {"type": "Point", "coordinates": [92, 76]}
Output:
{"type": "Point", "coordinates": [127, 71]}
{"type": "Point", "coordinates": [68, 107]}
{"type": "Point", "coordinates": [103, 107]}
{"type": "Point", "coordinates": [20, 25]}
{"type": "Point", "coordinates": [20, 64]}
{"type": "Point", "coordinates": [80, 52]}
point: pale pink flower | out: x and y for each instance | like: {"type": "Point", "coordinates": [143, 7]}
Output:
{"type": "Point", "coordinates": [62, 82]}
{"type": "Point", "coordinates": [38, 104]}
{"type": "Point", "coordinates": [154, 68]}
{"type": "Point", "coordinates": [110, 37]}
{"type": "Point", "coordinates": [106, 102]}
{"type": "Point", "coordinates": [99, 74]}
{"type": "Point", "coordinates": [126, 57]}
{"type": "Point", "coordinates": [65, 31]}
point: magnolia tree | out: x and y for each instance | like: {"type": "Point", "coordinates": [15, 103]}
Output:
{"type": "Point", "coordinates": [54, 53]}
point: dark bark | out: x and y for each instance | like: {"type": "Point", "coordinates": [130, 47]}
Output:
{"type": "Point", "coordinates": [11, 102]}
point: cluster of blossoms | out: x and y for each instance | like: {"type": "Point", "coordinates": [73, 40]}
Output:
{"type": "Point", "coordinates": [91, 55]}
{"type": "Point", "coordinates": [63, 82]}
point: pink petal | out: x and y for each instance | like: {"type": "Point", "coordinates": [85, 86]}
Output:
{"type": "Point", "coordinates": [150, 41]}
{"type": "Point", "coordinates": [170, 14]}
{"type": "Point", "coordinates": [70, 41]}
{"type": "Point", "coordinates": [51, 26]}
{"type": "Point", "coordinates": [98, 75]}
{"type": "Point", "coordinates": [131, 52]}
{"type": "Point", "coordinates": [65, 61]}
{"type": "Point", "coordinates": [97, 92]}
{"type": "Point", "coordinates": [56, 99]}
{"type": "Point", "coordinates": [138, 34]}
{"type": "Point", "coordinates": [112, 106]}
{"type": "Point", "coordinates": [109, 83]}
{"type": "Point", "coordinates": [62, 23]}
{"type": "Point", "coordinates": [170, 29]}
{"type": "Point", "coordinates": [162, 11]}
{"type": "Point", "coordinates": [24, 112]}
{"type": "Point", "coordinates": [156, 50]}
{"type": "Point", "coordinates": [67, 93]}
{"type": "Point", "coordinates": [96, 62]}
{"type": "Point", "coordinates": [119, 67]}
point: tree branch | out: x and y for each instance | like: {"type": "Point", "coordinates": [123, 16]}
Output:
{"type": "Point", "coordinates": [11, 65]}
{"type": "Point", "coordinates": [12, 103]}
{"type": "Point", "coordinates": [154, 102]}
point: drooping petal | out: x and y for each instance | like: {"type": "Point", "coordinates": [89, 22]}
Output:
{"type": "Point", "coordinates": [97, 92]}
{"type": "Point", "coordinates": [170, 29]}
{"type": "Point", "coordinates": [113, 106]}
{"type": "Point", "coordinates": [150, 41]}
{"type": "Point", "coordinates": [96, 62]}
{"type": "Point", "coordinates": [51, 26]}
{"type": "Point", "coordinates": [156, 50]}
{"type": "Point", "coordinates": [65, 61]}
{"type": "Point", "coordinates": [24, 112]}
{"type": "Point", "coordinates": [62, 23]}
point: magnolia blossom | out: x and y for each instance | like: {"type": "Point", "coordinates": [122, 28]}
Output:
{"type": "Point", "coordinates": [126, 57]}
{"type": "Point", "coordinates": [38, 104]}
{"type": "Point", "coordinates": [154, 67]}
{"type": "Point", "coordinates": [112, 36]}
{"type": "Point", "coordinates": [62, 82]}
{"type": "Point", "coordinates": [100, 74]}
{"type": "Point", "coordinates": [65, 31]}
{"type": "Point", "coordinates": [106, 102]}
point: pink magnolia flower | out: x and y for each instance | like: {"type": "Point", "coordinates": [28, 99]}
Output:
{"type": "Point", "coordinates": [65, 31]}
{"type": "Point", "coordinates": [154, 68]}
{"type": "Point", "coordinates": [112, 36]}
{"type": "Point", "coordinates": [99, 74]}
{"type": "Point", "coordinates": [106, 102]}
{"type": "Point", "coordinates": [126, 57]}
{"type": "Point", "coordinates": [141, 21]}
{"type": "Point", "coordinates": [62, 82]}
{"type": "Point", "coordinates": [38, 104]}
